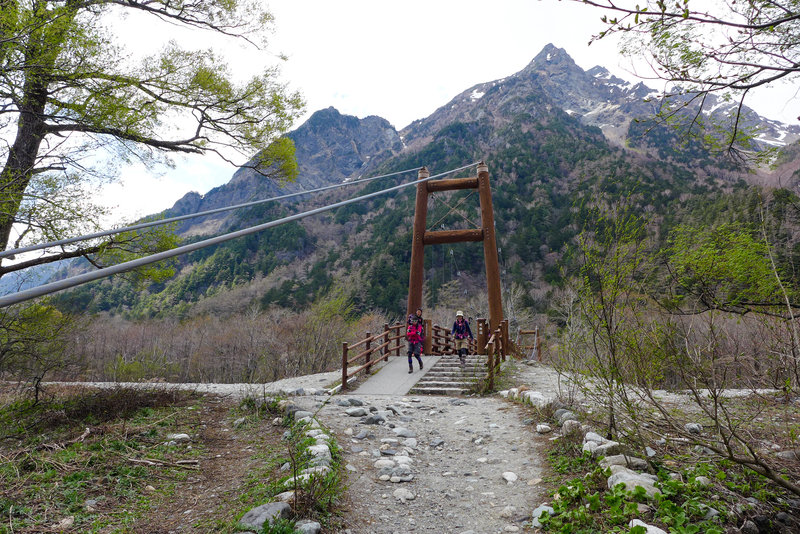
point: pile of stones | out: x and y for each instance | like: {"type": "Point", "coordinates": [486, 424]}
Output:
{"type": "Point", "coordinates": [625, 468]}
{"type": "Point", "coordinates": [319, 465]}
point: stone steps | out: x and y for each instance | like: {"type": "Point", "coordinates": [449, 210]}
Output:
{"type": "Point", "coordinates": [448, 377]}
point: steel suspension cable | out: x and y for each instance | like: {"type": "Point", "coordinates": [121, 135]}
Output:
{"type": "Point", "coordinates": [80, 279]}
{"type": "Point", "coordinates": [455, 208]}
{"type": "Point", "coordinates": [67, 241]}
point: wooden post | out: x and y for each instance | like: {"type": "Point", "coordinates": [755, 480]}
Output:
{"type": "Point", "coordinates": [426, 346]}
{"type": "Point", "coordinates": [481, 337]}
{"type": "Point", "coordinates": [506, 340]}
{"type": "Point", "coordinates": [344, 365]}
{"type": "Point", "coordinates": [399, 340]}
{"type": "Point", "coordinates": [490, 248]}
{"type": "Point", "coordinates": [490, 363]}
{"type": "Point", "coordinates": [369, 352]}
{"type": "Point", "coordinates": [415, 278]}
{"type": "Point", "coordinates": [386, 342]}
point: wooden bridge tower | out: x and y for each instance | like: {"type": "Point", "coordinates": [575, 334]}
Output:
{"type": "Point", "coordinates": [486, 234]}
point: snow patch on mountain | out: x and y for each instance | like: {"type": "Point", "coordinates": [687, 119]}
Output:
{"type": "Point", "coordinates": [476, 94]}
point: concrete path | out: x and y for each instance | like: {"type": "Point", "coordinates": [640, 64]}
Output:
{"type": "Point", "coordinates": [393, 378]}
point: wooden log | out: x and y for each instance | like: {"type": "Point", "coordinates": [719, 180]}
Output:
{"type": "Point", "coordinates": [452, 184]}
{"type": "Point", "coordinates": [490, 248]}
{"type": "Point", "coordinates": [452, 236]}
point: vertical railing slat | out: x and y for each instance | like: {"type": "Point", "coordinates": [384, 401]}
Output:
{"type": "Point", "coordinates": [386, 348]}
{"type": "Point", "coordinates": [368, 357]}
{"type": "Point", "coordinates": [490, 363]}
{"type": "Point", "coordinates": [344, 365]}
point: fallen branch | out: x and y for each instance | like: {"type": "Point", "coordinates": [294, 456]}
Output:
{"type": "Point", "coordinates": [61, 446]}
{"type": "Point", "coordinates": [185, 464]}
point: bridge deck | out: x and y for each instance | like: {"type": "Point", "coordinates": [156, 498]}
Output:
{"type": "Point", "coordinates": [394, 378]}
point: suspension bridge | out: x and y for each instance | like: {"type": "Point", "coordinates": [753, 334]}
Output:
{"type": "Point", "coordinates": [443, 374]}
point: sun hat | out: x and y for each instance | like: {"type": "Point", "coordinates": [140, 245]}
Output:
{"type": "Point", "coordinates": [459, 312]}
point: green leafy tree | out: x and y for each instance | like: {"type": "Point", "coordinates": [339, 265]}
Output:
{"type": "Point", "coordinates": [71, 96]}
{"type": "Point", "coordinates": [731, 269]}
{"type": "Point", "coordinates": [614, 263]}
{"type": "Point", "coordinates": [724, 48]}
{"type": "Point", "coordinates": [34, 343]}
{"type": "Point", "coordinates": [715, 313]}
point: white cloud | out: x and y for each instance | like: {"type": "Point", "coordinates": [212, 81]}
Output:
{"type": "Point", "coordinates": [141, 191]}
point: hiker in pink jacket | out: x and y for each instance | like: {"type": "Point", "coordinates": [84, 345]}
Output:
{"type": "Point", "coordinates": [415, 334]}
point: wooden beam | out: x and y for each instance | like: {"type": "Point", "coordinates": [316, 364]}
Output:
{"type": "Point", "coordinates": [416, 276]}
{"type": "Point", "coordinates": [452, 184]}
{"type": "Point", "coordinates": [490, 249]}
{"type": "Point", "coordinates": [452, 236]}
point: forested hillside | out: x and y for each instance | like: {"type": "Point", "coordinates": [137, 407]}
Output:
{"type": "Point", "coordinates": [546, 170]}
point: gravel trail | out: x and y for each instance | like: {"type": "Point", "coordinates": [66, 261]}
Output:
{"type": "Point", "coordinates": [460, 452]}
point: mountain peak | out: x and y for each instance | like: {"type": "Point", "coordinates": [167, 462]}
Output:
{"type": "Point", "coordinates": [551, 57]}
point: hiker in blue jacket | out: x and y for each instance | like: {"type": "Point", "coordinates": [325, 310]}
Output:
{"type": "Point", "coordinates": [461, 332]}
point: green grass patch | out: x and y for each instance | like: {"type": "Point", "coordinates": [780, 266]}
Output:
{"type": "Point", "coordinates": [75, 453]}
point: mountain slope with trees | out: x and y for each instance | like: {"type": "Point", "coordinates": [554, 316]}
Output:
{"type": "Point", "coordinates": [549, 161]}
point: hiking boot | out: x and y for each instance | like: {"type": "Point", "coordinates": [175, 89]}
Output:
{"type": "Point", "coordinates": [420, 365]}
{"type": "Point", "coordinates": [410, 370]}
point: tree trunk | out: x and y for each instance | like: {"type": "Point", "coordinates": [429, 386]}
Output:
{"type": "Point", "coordinates": [41, 50]}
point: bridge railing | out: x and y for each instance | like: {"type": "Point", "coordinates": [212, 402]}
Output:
{"type": "Point", "coordinates": [495, 356]}
{"type": "Point", "coordinates": [440, 341]}
{"type": "Point", "coordinates": [381, 345]}
{"type": "Point", "coordinates": [443, 342]}
{"type": "Point", "coordinates": [533, 349]}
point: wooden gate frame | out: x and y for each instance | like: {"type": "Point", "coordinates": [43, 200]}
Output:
{"type": "Point", "coordinates": [486, 234]}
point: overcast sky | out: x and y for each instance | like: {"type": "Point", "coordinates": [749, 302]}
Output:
{"type": "Point", "coordinates": [398, 60]}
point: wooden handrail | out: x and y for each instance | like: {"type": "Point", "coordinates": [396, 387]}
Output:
{"type": "Point", "coordinates": [385, 347]}
{"type": "Point", "coordinates": [359, 343]}
{"type": "Point", "coordinates": [381, 346]}
{"type": "Point", "coordinates": [395, 338]}
{"type": "Point", "coordinates": [376, 336]}
{"type": "Point", "coordinates": [359, 369]}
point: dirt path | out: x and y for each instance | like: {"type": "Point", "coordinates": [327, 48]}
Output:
{"type": "Point", "coordinates": [461, 449]}
{"type": "Point", "coordinates": [466, 465]}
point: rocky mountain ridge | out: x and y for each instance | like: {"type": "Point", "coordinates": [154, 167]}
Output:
{"type": "Point", "coordinates": [596, 97]}
{"type": "Point", "coordinates": [332, 148]}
